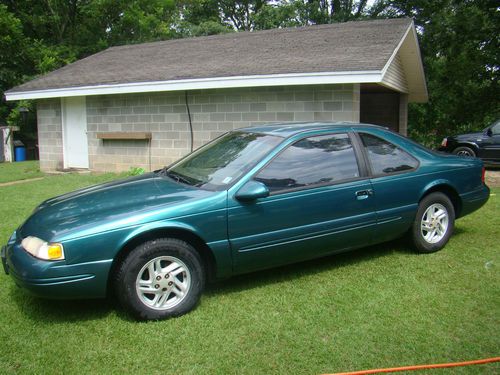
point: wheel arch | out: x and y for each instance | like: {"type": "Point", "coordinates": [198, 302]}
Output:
{"type": "Point", "coordinates": [180, 233]}
{"type": "Point", "coordinates": [471, 145]}
{"type": "Point", "coordinates": [447, 189]}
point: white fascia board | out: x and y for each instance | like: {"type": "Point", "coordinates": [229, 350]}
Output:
{"type": "Point", "coordinates": [292, 79]}
{"type": "Point", "coordinates": [417, 94]}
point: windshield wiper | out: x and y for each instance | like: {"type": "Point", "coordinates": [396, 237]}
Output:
{"type": "Point", "coordinates": [177, 177]}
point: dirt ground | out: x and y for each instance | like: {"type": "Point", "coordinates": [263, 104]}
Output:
{"type": "Point", "coordinates": [493, 177]}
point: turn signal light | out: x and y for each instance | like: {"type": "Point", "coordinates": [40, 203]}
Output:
{"type": "Point", "coordinates": [55, 251]}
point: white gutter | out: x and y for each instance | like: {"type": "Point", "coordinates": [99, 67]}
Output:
{"type": "Point", "coordinates": [374, 76]}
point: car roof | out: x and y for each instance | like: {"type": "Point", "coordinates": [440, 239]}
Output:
{"type": "Point", "coordinates": [289, 129]}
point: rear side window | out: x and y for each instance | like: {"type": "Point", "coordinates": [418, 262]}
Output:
{"type": "Point", "coordinates": [386, 158]}
{"type": "Point", "coordinates": [311, 162]}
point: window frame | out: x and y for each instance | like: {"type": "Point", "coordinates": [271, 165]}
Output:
{"type": "Point", "coordinates": [361, 163]}
{"type": "Point", "coordinates": [366, 157]}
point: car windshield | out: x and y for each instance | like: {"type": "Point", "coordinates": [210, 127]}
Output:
{"type": "Point", "coordinates": [223, 161]}
{"type": "Point", "coordinates": [495, 127]}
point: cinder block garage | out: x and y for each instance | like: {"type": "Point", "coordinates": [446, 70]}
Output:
{"type": "Point", "coordinates": [147, 105]}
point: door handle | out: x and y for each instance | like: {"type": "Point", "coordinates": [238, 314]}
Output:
{"type": "Point", "coordinates": [363, 194]}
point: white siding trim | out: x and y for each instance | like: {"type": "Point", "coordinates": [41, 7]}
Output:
{"type": "Point", "coordinates": [395, 77]}
{"type": "Point", "coordinates": [292, 79]}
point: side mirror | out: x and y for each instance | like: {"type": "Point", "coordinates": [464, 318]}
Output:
{"type": "Point", "coordinates": [252, 190]}
{"type": "Point", "coordinates": [489, 132]}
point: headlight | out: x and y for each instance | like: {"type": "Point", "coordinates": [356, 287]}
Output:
{"type": "Point", "coordinates": [43, 250]}
{"type": "Point", "coordinates": [444, 142]}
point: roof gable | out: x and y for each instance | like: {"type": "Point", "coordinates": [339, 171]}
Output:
{"type": "Point", "coordinates": [351, 52]}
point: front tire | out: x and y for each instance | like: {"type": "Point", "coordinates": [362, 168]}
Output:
{"type": "Point", "coordinates": [433, 223]}
{"type": "Point", "coordinates": [465, 151]}
{"type": "Point", "coordinates": [160, 279]}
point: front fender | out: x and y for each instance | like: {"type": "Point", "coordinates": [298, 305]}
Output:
{"type": "Point", "coordinates": [470, 144]}
{"type": "Point", "coordinates": [154, 226]}
{"type": "Point", "coordinates": [219, 248]}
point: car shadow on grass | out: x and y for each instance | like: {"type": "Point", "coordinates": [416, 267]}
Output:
{"type": "Point", "coordinates": [60, 311]}
{"type": "Point", "coordinates": [310, 267]}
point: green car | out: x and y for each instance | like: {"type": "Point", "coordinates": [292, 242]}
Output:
{"type": "Point", "coordinates": [254, 198]}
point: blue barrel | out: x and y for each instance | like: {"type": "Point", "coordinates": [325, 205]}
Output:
{"type": "Point", "coordinates": [20, 153]}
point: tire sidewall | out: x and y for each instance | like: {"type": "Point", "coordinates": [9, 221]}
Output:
{"type": "Point", "coordinates": [469, 150]}
{"type": "Point", "coordinates": [420, 244]}
{"type": "Point", "coordinates": [135, 261]}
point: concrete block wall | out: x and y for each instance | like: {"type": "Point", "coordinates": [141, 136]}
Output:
{"type": "Point", "coordinates": [50, 142]}
{"type": "Point", "coordinates": [213, 112]}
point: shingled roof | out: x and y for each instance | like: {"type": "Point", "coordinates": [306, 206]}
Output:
{"type": "Point", "coordinates": [341, 49]}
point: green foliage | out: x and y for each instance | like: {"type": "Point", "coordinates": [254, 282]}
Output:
{"type": "Point", "coordinates": [22, 170]}
{"type": "Point", "coordinates": [459, 42]}
{"type": "Point", "coordinates": [15, 62]}
{"type": "Point", "coordinates": [15, 118]}
{"type": "Point", "coordinates": [135, 171]}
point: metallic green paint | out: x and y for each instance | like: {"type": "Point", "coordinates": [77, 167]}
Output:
{"type": "Point", "coordinates": [254, 230]}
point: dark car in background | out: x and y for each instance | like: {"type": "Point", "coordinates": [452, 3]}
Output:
{"type": "Point", "coordinates": [484, 144]}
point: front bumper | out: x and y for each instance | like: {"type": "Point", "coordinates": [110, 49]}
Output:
{"type": "Point", "coordinates": [55, 279]}
{"type": "Point", "coordinates": [4, 259]}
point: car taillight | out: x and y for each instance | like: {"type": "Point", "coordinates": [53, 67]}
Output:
{"type": "Point", "coordinates": [483, 173]}
{"type": "Point", "coordinates": [444, 142]}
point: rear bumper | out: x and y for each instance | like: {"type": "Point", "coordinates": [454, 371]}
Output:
{"type": "Point", "coordinates": [474, 200]}
{"type": "Point", "coordinates": [55, 280]}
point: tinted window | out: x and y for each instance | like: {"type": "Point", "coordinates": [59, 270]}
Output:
{"type": "Point", "coordinates": [311, 161]}
{"type": "Point", "coordinates": [386, 158]}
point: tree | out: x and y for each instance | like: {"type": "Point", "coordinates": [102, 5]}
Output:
{"type": "Point", "coordinates": [15, 60]}
{"type": "Point", "coordinates": [460, 43]}
{"type": "Point", "coordinates": [198, 17]}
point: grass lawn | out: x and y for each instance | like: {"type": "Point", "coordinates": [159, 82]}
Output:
{"type": "Point", "coordinates": [382, 306]}
{"type": "Point", "coordinates": [19, 171]}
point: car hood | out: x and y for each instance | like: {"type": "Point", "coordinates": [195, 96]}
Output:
{"type": "Point", "coordinates": [112, 205]}
{"type": "Point", "coordinates": [468, 136]}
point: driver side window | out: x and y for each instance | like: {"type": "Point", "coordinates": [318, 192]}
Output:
{"type": "Point", "coordinates": [311, 162]}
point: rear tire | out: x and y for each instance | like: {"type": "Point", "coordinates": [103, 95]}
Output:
{"type": "Point", "coordinates": [433, 223]}
{"type": "Point", "coordinates": [465, 151]}
{"type": "Point", "coordinates": [160, 279]}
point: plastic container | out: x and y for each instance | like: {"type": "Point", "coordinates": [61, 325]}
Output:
{"type": "Point", "coordinates": [20, 153]}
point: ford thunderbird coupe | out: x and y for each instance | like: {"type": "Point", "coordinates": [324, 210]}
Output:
{"type": "Point", "coordinates": [254, 198]}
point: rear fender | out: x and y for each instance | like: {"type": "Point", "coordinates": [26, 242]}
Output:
{"type": "Point", "coordinates": [447, 187]}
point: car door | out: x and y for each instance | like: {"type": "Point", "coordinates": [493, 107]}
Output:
{"type": "Point", "coordinates": [395, 187]}
{"type": "Point", "coordinates": [319, 203]}
{"type": "Point", "coordinates": [490, 149]}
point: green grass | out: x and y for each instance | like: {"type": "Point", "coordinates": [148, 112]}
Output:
{"type": "Point", "coordinates": [381, 306]}
{"type": "Point", "coordinates": [19, 171]}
